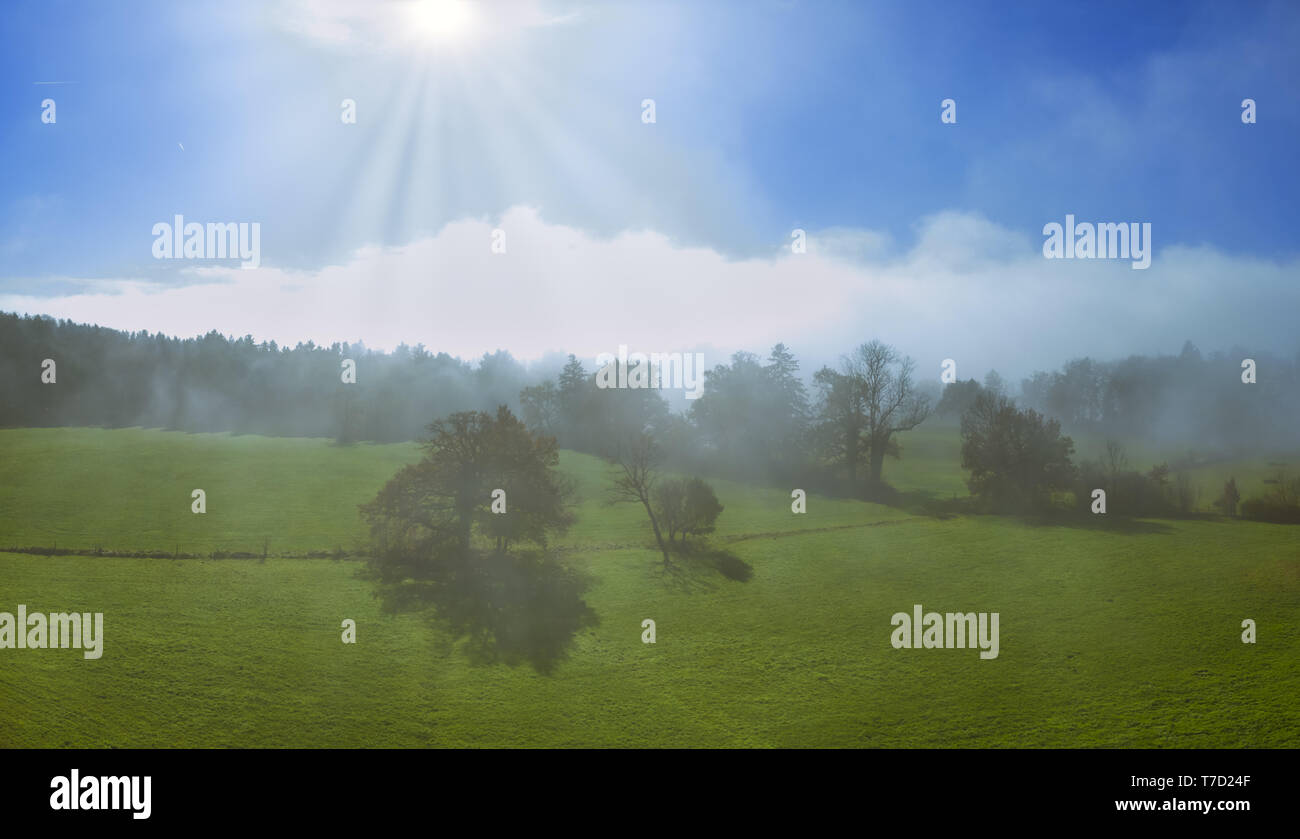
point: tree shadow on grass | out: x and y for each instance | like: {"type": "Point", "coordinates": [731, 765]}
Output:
{"type": "Point", "coordinates": [699, 565]}
{"type": "Point", "coordinates": [505, 608]}
{"type": "Point", "coordinates": [924, 502]}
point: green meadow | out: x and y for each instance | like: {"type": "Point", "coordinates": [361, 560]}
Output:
{"type": "Point", "coordinates": [1112, 633]}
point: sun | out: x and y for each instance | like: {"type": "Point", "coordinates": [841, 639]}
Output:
{"type": "Point", "coordinates": [443, 22]}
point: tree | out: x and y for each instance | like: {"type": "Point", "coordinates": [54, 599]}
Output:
{"type": "Point", "coordinates": [1230, 498]}
{"type": "Point", "coordinates": [637, 459]}
{"type": "Point", "coordinates": [994, 383]}
{"type": "Point", "coordinates": [841, 418]}
{"type": "Point", "coordinates": [892, 403]}
{"type": "Point", "coordinates": [702, 509]}
{"type": "Point", "coordinates": [438, 511]}
{"type": "Point", "coordinates": [872, 398]}
{"type": "Point", "coordinates": [437, 545]}
{"type": "Point", "coordinates": [541, 405]}
{"type": "Point", "coordinates": [752, 416]}
{"type": "Point", "coordinates": [957, 397]}
{"type": "Point", "coordinates": [1016, 458]}
{"type": "Point", "coordinates": [787, 412]}
{"type": "Point", "coordinates": [686, 507]}
{"type": "Point", "coordinates": [730, 415]}
{"type": "Point", "coordinates": [575, 385]}
{"type": "Point", "coordinates": [573, 379]}
{"type": "Point", "coordinates": [669, 499]}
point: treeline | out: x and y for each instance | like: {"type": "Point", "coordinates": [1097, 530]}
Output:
{"type": "Point", "coordinates": [1187, 399]}
{"type": "Point", "coordinates": [760, 418]}
{"type": "Point", "coordinates": [752, 420]}
{"type": "Point", "coordinates": [1019, 462]}
{"type": "Point", "coordinates": [756, 419]}
{"type": "Point", "coordinates": [106, 377]}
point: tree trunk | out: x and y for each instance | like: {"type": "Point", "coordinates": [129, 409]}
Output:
{"type": "Point", "coordinates": [654, 523]}
{"type": "Point", "coordinates": [851, 456]}
{"type": "Point", "coordinates": [877, 459]}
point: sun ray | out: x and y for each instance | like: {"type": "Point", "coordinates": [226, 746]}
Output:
{"type": "Point", "coordinates": [443, 22]}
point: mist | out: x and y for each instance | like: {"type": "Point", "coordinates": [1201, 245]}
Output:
{"type": "Point", "coordinates": [746, 423]}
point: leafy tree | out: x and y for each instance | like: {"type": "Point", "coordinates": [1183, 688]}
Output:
{"type": "Point", "coordinates": [726, 414]}
{"type": "Point", "coordinates": [1016, 458]}
{"type": "Point", "coordinates": [702, 509]}
{"type": "Point", "coordinates": [669, 501]}
{"type": "Point", "coordinates": [752, 417]}
{"type": "Point", "coordinates": [438, 510]}
{"type": "Point", "coordinates": [541, 406]}
{"type": "Point", "coordinates": [686, 507]}
{"type": "Point", "coordinates": [788, 410]}
{"type": "Point", "coordinates": [841, 417]}
{"type": "Point", "coordinates": [436, 545]}
{"type": "Point", "coordinates": [574, 389]}
{"type": "Point", "coordinates": [956, 399]}
{"type": "Point", "coordinates": [574, 380]}
{"type": "Point", "coordinates": [224, 383]}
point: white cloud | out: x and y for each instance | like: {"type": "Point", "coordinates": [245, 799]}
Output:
{"type": "Point", "coordinates": [968, 290]}
{"type": "Point", "coordinates": [380, 24]}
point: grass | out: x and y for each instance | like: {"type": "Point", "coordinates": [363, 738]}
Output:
{"type": "Point", "coordinates": [1109, 637]}
{"type": "Point", "coordinates": [130, 488]}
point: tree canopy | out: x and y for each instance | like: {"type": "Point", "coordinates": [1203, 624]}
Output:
{"type": "Point", "coordinates": [437, 544]}
{"type": "Point", "coordinates": [1017, 458]}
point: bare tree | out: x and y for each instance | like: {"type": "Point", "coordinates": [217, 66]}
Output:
{"type": "Point", "coordinates": [637, 459]}
{"type": "Point", "coordinates": [890, 399]}
{"type": "Point", "coordinates": [1116, 459]}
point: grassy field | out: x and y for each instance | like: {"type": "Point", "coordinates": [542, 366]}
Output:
{"type": "Point", "coordinates": [1121, 636]}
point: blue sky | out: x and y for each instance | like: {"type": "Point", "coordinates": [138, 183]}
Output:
{"type": "Point", "coordinates": [770, 116]}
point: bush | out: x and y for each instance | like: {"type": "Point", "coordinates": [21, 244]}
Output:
{"type": "Point", "coordinates": [686, 507]}
{"type": "Point", "coordinates": [1017, 459]}
{"type": "Point", "coordinates": [1131, 493]}
{"type": "Point", "coordinates": [1230, 498]}
{"type": "Point", "coordinates": [1280, 504]}
{"type": "Point", "coordinates": [702, 508]}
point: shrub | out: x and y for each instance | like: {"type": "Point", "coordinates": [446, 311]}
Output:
{"type": "Point", "coordinates": [686, 507]}
{"type": "Point", "coordinates": [1017, 459]}
{"type": "Point", "coordinates": [1279, 504]}
{"type": "Point", "coordinates": [1131, 493]}
{"type": "Point", "coordinates": [1230, 498]}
